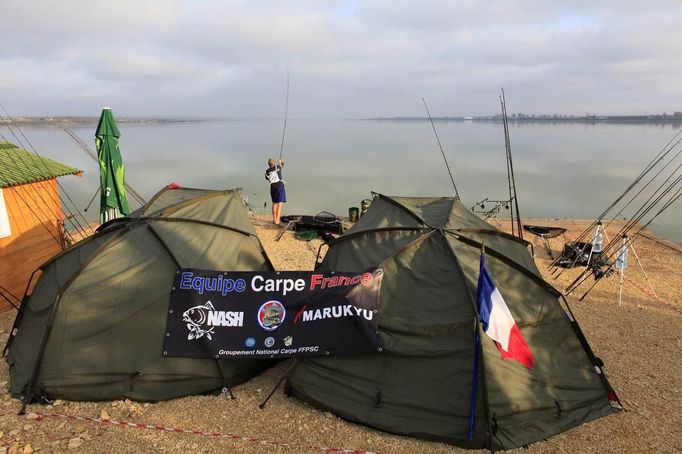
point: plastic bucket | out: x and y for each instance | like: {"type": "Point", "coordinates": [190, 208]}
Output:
{"type": "Point", "coordinates": [364, 206]}
{"type": "Point", "coordinates": [353, 213]}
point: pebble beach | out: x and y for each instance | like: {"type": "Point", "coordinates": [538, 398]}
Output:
{"type": "Point", "coordinates": [639, 341]}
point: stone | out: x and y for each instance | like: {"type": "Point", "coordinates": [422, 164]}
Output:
{"type": "Point", "coordinates": [32, 416]}
{"type": "Point", "coordinates": [75, 443]}
{"type": "Point", "coordinates": [53, 436]}
{"type": "Point", "coordinates": [28, 449]}
{"type": "Point", "coordinates": [104, 415]}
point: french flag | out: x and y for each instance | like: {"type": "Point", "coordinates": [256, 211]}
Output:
{"type": "Point", "coordinates": [498, 322]}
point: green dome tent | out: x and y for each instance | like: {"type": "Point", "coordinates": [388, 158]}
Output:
{"type": "Point", "coordinates": [94, 325]}
{"type": "Point", "coordinates": [421, 385]}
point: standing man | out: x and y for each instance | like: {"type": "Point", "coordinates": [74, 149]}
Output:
{"type": "Point", "coordinates": [274, 175]}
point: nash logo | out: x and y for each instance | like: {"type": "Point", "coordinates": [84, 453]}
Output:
{"type": "Point", "coordinates": [202, 319]}
{"type": "Point", "coordinates": [271, 315]}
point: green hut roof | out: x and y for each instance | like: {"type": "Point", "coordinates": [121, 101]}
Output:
{"type": "Point", "coordinates": [18, 166]}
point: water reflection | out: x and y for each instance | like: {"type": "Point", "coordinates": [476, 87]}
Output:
{"type": "Point", "coordinates": [562, 170]}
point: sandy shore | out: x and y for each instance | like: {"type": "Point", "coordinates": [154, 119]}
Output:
{"type": "Point", "coordinates": [639, 341]}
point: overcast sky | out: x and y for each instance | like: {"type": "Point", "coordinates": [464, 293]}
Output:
{"type": "Point", "coordinates": [346, 59]}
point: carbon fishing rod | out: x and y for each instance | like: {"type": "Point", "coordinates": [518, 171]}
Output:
{"type": "Point", "coordinates": [83, 229]}
{"type": "Point", "coordinates": [286, 114]}
{"type": "Point", "coordinates": [510, 169]}
{"type": "Point", "coordinates": [36, 161]}
{"type": "Point", "coordinates": [441, 148]}
{"type": "Point", "coordinates": [649, 182]}
{"type": "Point", "coordinates": [506, 141]}
{"type": "Point", "coordinates": [660, 156]}
{"type": "Point", "coordinates": [86, 148]}
{"type": "Point", "coordinates": [629, 242]}
{"type": "Point", "coordinates": [645, 207]}
{"type": "Point", "coordinates": [610, 250]}
{"type": "Point", "coordinates": [607, 252]}
{"type": "Point", "coordinates": [35, 208]}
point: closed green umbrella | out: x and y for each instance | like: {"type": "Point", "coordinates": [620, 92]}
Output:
{"type": "Point", "coordinates": [111, 170]}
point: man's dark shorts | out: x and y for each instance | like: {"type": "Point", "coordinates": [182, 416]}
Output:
{"type": "Point", "coordinates": [277, 192]}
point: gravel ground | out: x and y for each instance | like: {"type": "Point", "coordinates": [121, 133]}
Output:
{"type": "Point", "coordinates": [639, 342]}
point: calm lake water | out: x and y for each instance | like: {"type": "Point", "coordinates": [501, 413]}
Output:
{"type": "Point", "coordinates": [562, 170]}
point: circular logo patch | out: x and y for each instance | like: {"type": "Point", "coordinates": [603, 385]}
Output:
{"type": "Point", "coordinates": [269, 341]}
{"type": "Point", "coordinates": [250, 342]}
{"type": "Point", "coordinates": [271, 315]}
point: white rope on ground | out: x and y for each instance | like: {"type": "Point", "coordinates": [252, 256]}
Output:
{"type": "Point", "coordinates": [161, 428]}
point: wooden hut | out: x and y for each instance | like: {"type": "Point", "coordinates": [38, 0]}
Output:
{"type": "Point", "coordinates": [31, 218]}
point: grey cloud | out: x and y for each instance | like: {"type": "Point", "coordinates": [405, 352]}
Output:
{"type": "Point", "coordinates": [346, 58]}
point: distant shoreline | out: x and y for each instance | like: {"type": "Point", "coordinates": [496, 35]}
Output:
{"type": "Point", "coordinates": [551, 119]}
{"type": "Point", "coordinates": [659, 119]}
{"type": "Point", "coordinates": [69, 121]}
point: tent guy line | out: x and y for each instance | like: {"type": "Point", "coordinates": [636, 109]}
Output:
{"type": "Point", "coordinates": [178, 430]}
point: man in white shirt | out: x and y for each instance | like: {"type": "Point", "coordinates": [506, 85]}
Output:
{"type": "Point", "coordinates": [277, 193]}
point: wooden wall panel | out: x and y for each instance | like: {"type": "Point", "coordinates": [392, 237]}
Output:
{"type": "Point", "coordinates": [35, 217]}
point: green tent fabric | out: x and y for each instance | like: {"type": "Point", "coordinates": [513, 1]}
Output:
{"type": "Point", "coordinates": [94, 325]}
{"type": "Point", "coordinates": [421, 385]}
{"type": "Point", "coordinates": [111, 169]}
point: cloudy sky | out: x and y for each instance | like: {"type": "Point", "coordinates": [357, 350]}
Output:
{"type": "Point", "coordinates": [346, 59]}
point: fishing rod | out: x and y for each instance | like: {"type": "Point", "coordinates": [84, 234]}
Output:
{"type": "Point", "coordinates": [629, 242]}
{"type": "Point", "coordinates": [636, 216]}
{"type": "Point", "coordinates": [506, 142]}
{"type": "Point", "coordinates": [646, 206]}
{"type": "Point", "coordinates": [35, 161]}
{"type": "Point", "coordinates": [510, 169]}
{"type": "Point", "coordinates": [86, 148]}
{"type": "Point", "coordinates": [83, 229]}
{"type": "Point", "coordinates": [608, 252]}
{"type": "Point", "coordinates": [286, 114]}
{"type": "Point", "coordinates": [441, 148]}
{"type": "Point", "coordinates": [648, 183]}
{"type": "Point", "coordinates": [660, 156]}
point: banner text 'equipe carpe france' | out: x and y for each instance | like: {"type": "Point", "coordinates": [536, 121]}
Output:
{"type": "Point", "coordinates": [245, 314]}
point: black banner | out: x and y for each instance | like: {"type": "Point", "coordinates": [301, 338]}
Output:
{"type": "Point", "coordinates": [217, 314]}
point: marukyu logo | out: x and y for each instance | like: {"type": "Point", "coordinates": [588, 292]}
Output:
{"type": "Point", "coordinates": [201, 320]}
{"type": "Point", "coordinates": [271, 315]}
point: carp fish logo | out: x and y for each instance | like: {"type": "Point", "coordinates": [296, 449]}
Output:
{"type": "Point", "coordinates": [271, 315]}
{"type": "Point", "coordinates": [196, 318]}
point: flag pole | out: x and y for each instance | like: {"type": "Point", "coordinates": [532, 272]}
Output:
{"type": "Point", "coordinates": [474, 378]}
